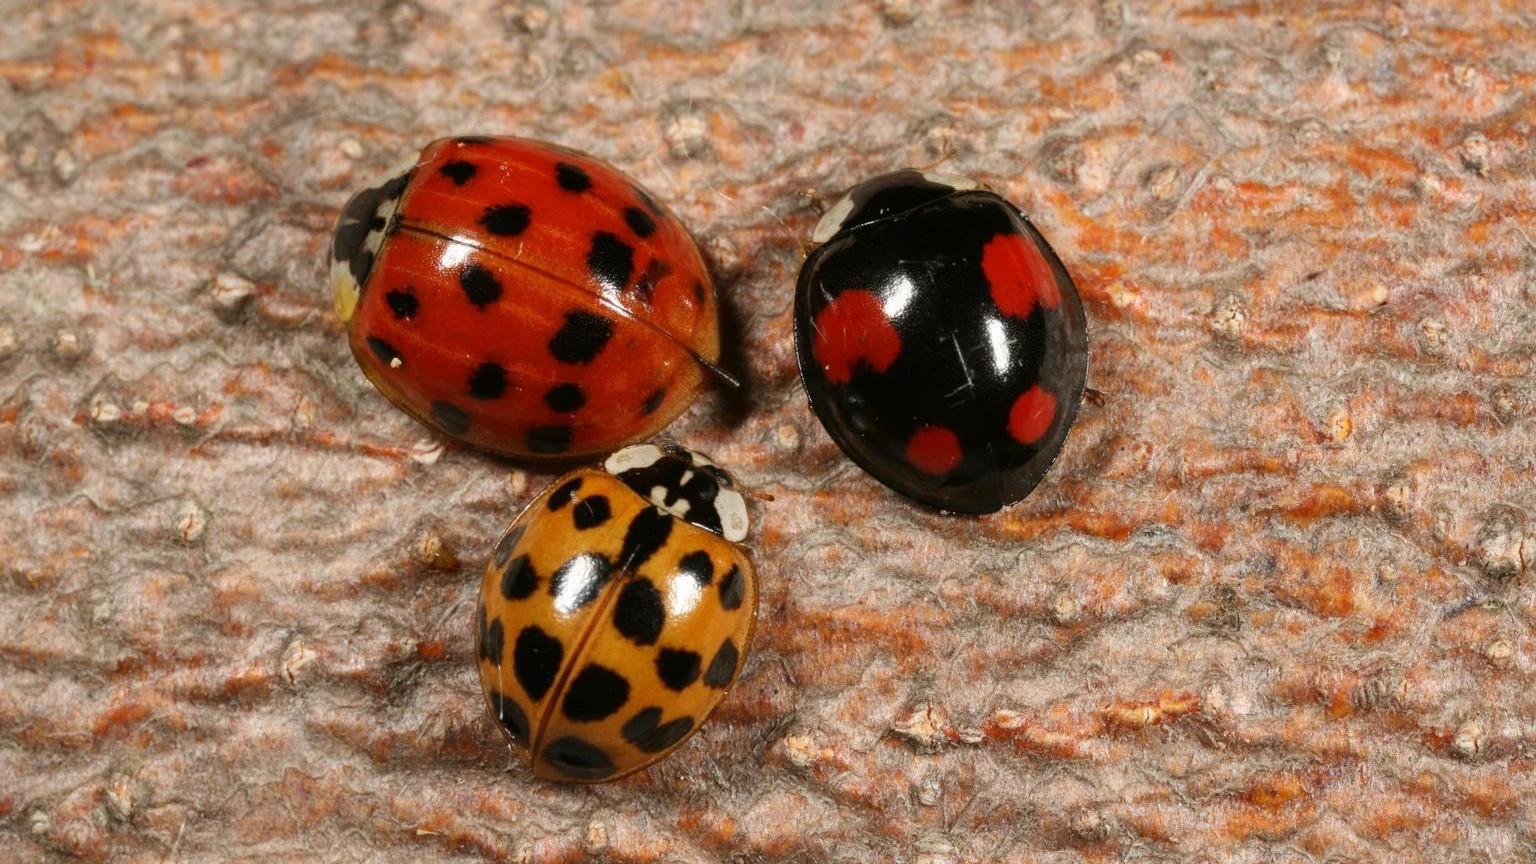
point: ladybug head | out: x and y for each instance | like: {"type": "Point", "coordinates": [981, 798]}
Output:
{"type": "Point", "coordinates": [885, 196]}
{"type": "Point", "coordinates": [360, 231]}
{"type": "Point", "coordinates": [686, 484]}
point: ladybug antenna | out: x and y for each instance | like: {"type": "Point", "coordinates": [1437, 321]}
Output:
{"type": "Point", "coordinates": [720, 374]}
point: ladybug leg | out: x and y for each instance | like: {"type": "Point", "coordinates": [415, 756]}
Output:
{"type": "Point", "coordinates": [947, 151]}
{"type": "Point", "coordinates": [1093, 397]}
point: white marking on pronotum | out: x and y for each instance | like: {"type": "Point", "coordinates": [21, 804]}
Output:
{"type": "Point", "coordinates": [832, 220]}
{"type": "Point", "coordinates": [953, 181]}
{"type": "Point", "coordinates": [733, 515]}
{"type": "Point", "coordinates": [636, 456]}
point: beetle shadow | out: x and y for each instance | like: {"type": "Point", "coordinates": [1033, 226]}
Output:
{"type": "Point", "coordinates": [735, 401]}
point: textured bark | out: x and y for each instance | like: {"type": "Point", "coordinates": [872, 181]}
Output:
{"type": "Point", "coordinates": [1273, 604]}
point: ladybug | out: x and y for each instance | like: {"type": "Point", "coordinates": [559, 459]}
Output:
{"type": "Point", "coordinates": [616, 612]}
{"type": "Point", "coordinates": [941, 341]}
{"type": "Point", "coordinates": [524, 298]}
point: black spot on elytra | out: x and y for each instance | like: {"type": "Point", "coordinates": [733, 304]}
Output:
{"type": "Point", "coordinates": [492, 637]}
{"type": "Point", "coordinates": [638, 613]}
{"type": "Point", "coordinates": [611, 261]}
{"type": "Point", "coordinates": [642, 730]}
{"type": "Point", "coordinates": [646, 533]}
{"type": "Point", "coordinates": [506, 220]}
{"type": "Point", "coordinates": [572, 178]}
{"type": "Point", "coordinates": [566, 398]}
{"type": "Point", "coordinates": [698, 291]}
{"type": "Point", "coordinates": [578, 758]}
{"type": "Point", "coordinates": [476, 139]}
{"type": "Point", "coordinates": [511, 716]}
{"type": "Point", "coordinates": [480, 285]}
{"type": "Point", "coordinates": [698, 565]}
{"type": "Point", "coordinates": [731, 589]}
{"type": "Point", "coordinates": [403, 302]}
{"type": "Point", "coordinates": [595, 693]}
{"type": "Point", "coordinates": [581, 338]}
{"type": "Point", "coordinates": [451, 417]}
{"type": "Point", "coordinates": [591, 512]}
{"type": "Point", "coordinates": [653, 401]}
{"type": "Point", "coordinates": [677, 669]}
{"type": "Point", "coordinates": [650, 277]}
{"type": "Point", "coordinates": [488, 381]}
{"type": "Point", "coordinates": [458, 171]}
{"type": "Point", "coordinates": [519, 581]}
{"type": "Point", "coordinates": [639, 222]}
{"type": "Point", "coordinates": [507, 543]}
{"type": "Point", "coordinates": [723, 666]}
{"type": "Point", "coordinates": [493, 642]}
{"type": "Point", "coordinates": [536, 660]}
{"type": "Point", "coordinates": [562, 496]}
{"type": "Point", "coordinates": [383, 350]}
{"type": "Point", "coordinates": [549, 439]}
{"type": "Point", "coordinates": [578, 581]}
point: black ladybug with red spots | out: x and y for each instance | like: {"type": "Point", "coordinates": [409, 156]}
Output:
{"type": "Point", "coordinates": [940, 339]}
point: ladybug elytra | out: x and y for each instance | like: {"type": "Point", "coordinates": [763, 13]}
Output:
{"type": "Point", "coordinates": [940, 340]}
{"type": "Point", "coordinates": [524, 298]}
{"type": "Point", "coordinates": [616, 612]}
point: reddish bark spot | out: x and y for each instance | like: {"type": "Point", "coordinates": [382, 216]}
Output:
{"type": "Point", "coordinates": [853, 329]}
{"type": "Point", "coordinates": [934, 450]}
{"type": "Point", "coordinates": [1018, 275]}
{"type": "Point", "coordinates": [1031, 415]}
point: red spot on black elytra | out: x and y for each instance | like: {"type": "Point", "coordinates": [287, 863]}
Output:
{"type": "Point", "coordinates": [934, 450]}
{"type": "Point", "coordinates": [1031, 415]}
{"type": "Point", "coordinates": [853, 329]}
{"type": "Point", "coordinates": [1018, 275]}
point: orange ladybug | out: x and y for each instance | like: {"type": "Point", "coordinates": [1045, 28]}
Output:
{"type": "Point", "coordinates": [616, 612]}
{"type": "Point", "coordinates": [524, 298]}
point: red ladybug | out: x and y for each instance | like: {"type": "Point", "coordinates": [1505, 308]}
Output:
{"type": "Point", "coordinates": [524, 298]}
{"type": "Point", "coordinates": [940, 340]}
